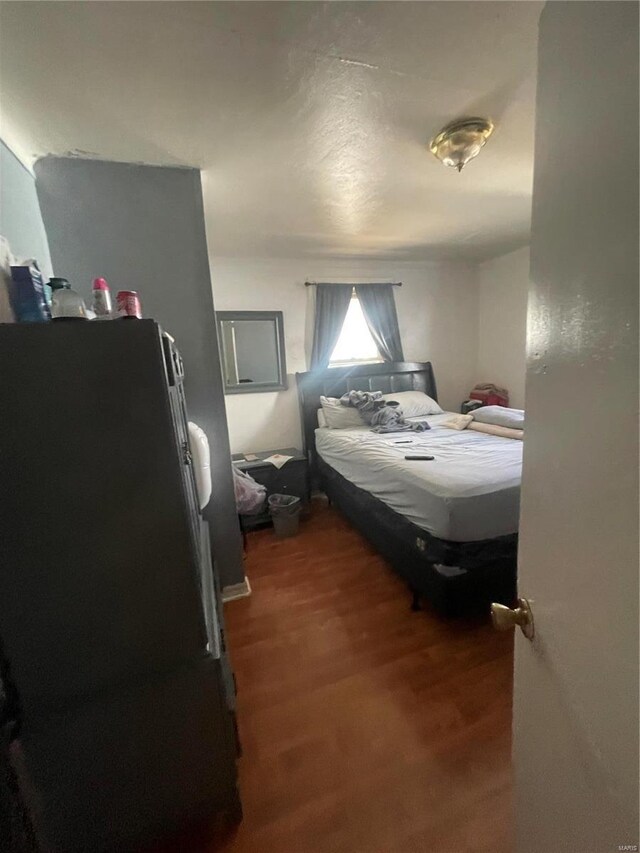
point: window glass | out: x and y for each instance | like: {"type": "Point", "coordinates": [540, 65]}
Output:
{"type": "Point", "coordinates": [355, 342]}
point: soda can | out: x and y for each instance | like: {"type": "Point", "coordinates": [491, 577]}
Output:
{"type": "Point", "coordinates": [128, 304]}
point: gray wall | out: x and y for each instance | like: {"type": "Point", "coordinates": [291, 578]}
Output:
{"type": "Point", "coordinates": [142, 228]}
{"type": "Point", "coordinates": [20, 218]}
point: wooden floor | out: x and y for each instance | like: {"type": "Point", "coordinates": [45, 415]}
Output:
{"type": "Point", "coordinates": [366, 728]}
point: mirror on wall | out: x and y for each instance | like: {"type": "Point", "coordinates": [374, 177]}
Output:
{"type": "Point", "coordinates": [252, 351]}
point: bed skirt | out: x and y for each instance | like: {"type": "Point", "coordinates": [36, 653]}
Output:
{"type": "Point", "coordinates": [454, 577]}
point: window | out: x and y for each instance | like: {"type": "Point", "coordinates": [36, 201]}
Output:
{"type": "Point", "coordinates": [355, 343]}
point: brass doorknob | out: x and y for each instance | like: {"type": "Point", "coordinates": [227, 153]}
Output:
{"type": "Point", "coordinates": [505, 618]}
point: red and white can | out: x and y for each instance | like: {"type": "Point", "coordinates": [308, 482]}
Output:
{"type": "Point", "coordinates": [128, 304]}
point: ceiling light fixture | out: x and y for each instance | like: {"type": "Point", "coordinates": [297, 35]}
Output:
{"type": "Point", "coordinates": [461, 141]}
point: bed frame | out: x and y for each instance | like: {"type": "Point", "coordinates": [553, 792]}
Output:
{"type": "Point", "coordinates": [455, 577]}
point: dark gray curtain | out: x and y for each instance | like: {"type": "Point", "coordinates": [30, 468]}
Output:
{"type": "Point", "coordinates": [332, 302]}
{"type": "Point", "coordinates": [379, 309]}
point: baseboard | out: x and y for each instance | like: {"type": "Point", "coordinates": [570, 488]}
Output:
{"type": "Point", "coordinates": [237, 590]}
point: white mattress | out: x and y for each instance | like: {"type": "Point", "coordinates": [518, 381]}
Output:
{"type": "Point", "coordinates": [469, 492]}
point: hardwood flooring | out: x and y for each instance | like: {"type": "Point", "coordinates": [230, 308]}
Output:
{"type": "Point", "coordinates": [366, 728]}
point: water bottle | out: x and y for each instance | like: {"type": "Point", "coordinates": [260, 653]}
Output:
{"type": "Point", "coordinates": [65, 302]}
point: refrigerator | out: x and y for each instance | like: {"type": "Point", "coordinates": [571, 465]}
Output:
{"type": "Point", "coordinates": [111, 628]}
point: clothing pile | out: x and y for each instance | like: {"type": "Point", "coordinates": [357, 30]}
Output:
{"type": "Point", "coordinates": [490, 394]}
{"type": "Point", "coordinates": [382, 415]}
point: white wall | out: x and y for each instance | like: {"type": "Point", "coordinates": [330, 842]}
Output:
{"type": "Point", "coordinates": [437, 311]}
{"type": "Point", "coordinates": [503, 285]}
{"type": "Point", "coordinates": [575, 702]}
{"type": "Point", "coordinates": [20, 218]}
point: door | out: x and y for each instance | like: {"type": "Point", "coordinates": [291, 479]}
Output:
{"type": "Point", "coordinates": [576, 683]}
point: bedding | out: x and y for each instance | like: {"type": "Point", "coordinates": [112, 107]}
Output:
{"type": "Point", "coordinates": [380, 415]}
{"type": "Point", "coordinates": [338, 416]}
{"type": "Point", "coordinates": [456, 422]}
{"type": "Point", "coordinates": [414, 403]}
{"type": "Point", "coordinates": [500, 416]}
{"type": "Point", "coordinates": [469, 492]}
{"type": "Point", "coordinates": [494, 429]}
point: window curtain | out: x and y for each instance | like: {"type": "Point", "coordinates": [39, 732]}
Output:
{"type": "Point", "coordinates": [379, 309]}
{"type": "Point", "coordinates": [332, 303]}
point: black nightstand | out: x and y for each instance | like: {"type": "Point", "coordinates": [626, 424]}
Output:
{"type": "Point", "coordinates": [470, 406]}
{"type": "Point", "coordinates": [291, 479]}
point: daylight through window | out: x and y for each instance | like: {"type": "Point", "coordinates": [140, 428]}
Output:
{"type": "Point", "coordinates": [355, 342]}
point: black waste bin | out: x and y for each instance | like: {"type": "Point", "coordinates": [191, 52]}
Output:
{"type": "Point", "coordinates": [285, 513]}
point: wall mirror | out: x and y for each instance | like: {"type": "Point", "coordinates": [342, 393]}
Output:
{"type": "Point", "coordinates": [252, 351]}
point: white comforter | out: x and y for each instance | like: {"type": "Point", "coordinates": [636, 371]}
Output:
{"type": "Point", "coordinates": [469, 492]}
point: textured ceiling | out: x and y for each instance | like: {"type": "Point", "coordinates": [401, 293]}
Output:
{"type": "Point", "coordinates": [310, 119]}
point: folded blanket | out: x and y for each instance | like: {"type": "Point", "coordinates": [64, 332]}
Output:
{"type": "Point", "coordinates": [459, 422]}
{"type": "Point", "coordinates": [494, 429]}
{"type": "Point", "coordinates": [468, 422]}
{"type": "Point", "coordinates": [382, 416]}
{"type": "Point", "coordinates": [500, 416]}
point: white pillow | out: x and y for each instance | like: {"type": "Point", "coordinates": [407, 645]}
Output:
{"type": "Point", "coordinates": [322, 421]}
{"type": "Point", "coordinates": [338, 416]}
{"type": "Point", "coordinates": [500, 416]}
{"type": "Point", "coordinates": [415, 403]}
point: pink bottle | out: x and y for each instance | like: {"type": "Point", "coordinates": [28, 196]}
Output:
{"type": "Point", "coordinates": [101, 299]}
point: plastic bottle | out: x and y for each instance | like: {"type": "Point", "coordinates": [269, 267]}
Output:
{"type": "Point", "coordinates": [101, 299]}
{"type": "Point", "coordinates": [65, 302]}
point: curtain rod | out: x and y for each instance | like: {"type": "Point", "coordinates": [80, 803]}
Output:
{"type": "Point", "coordinates": [359, 284]}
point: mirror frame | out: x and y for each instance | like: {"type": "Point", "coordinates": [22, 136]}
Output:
{"type": "Point", "coordinates": [250, 388]}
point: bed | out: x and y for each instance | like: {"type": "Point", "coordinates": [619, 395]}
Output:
{"type": "Point", "coordinates": [447, 527]}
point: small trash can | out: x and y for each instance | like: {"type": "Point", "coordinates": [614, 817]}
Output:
{"type": "Point", "coordinates": [285, 513]}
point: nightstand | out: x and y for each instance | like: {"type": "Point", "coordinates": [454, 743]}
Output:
{"type": "Point", "coordinates": [291, 479]}
{"type": "Point", "coordinates": [470, 406]}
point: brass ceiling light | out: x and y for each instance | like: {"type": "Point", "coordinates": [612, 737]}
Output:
{"type": "Point", "coordinates": [461, 141]}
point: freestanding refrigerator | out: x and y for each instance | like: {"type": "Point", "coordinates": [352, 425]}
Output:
{"type": "Point", "coordinates": [111, 630]}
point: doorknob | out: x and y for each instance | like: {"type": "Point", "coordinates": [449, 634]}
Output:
{"type": "Point", "coordinates": [505, 618]}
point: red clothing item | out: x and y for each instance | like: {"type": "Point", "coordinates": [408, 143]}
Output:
{"type": "Point", "coordinates": [490, 395]}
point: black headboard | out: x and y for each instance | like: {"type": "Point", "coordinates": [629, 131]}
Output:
{"type": "Point", "coordinates": [335, 381]}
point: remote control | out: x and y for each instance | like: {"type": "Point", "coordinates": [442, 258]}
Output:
{"type": "Point", "coordinates": [425, 458]}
